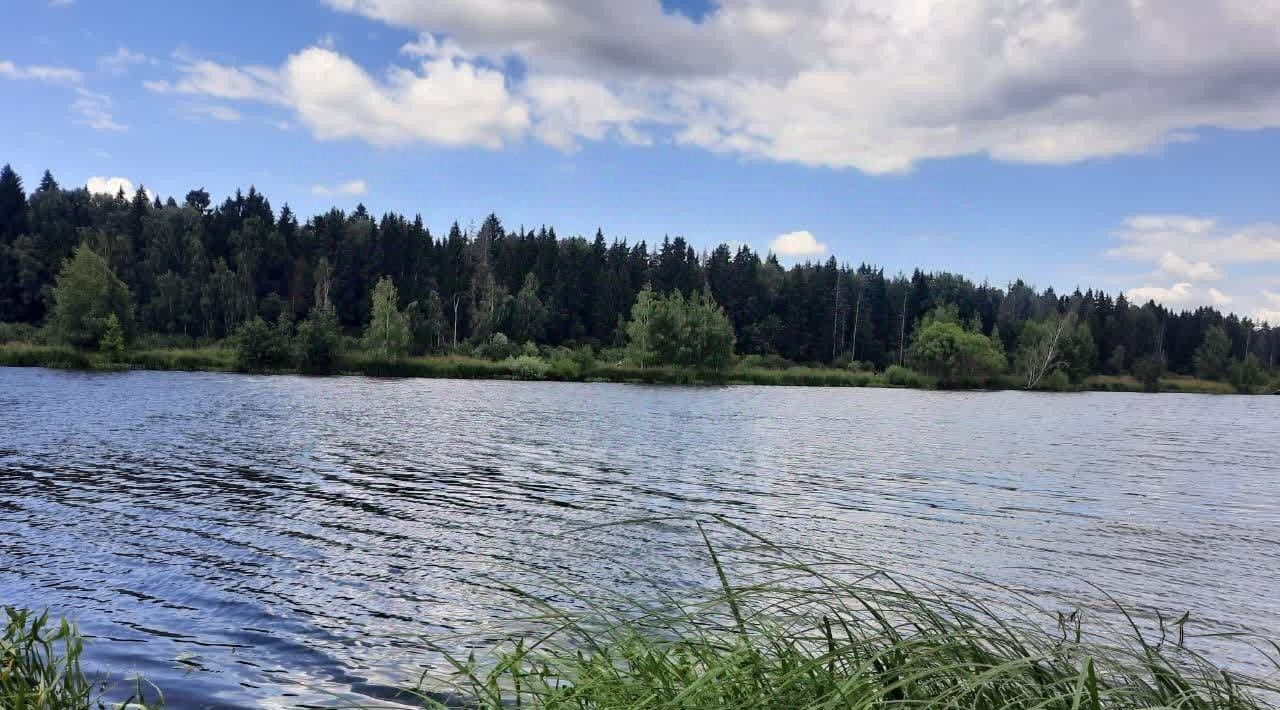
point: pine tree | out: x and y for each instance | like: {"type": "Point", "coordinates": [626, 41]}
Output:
{"type": "Point", "coordinates": [13, 206]}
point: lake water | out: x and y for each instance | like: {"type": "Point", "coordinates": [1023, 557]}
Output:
{"type": "Point", "coordinates": [276, 541]}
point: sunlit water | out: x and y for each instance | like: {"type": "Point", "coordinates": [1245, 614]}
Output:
{"type": "Point", "coordinates": [270, 542]}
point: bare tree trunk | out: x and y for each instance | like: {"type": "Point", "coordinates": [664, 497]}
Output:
{"type": "Point", "coordinates": [835, 319]}
{"type": "Point", "coordinates": [457, 300]}
{"type": "Point", "coordinates": [902, 334]}
{"type": "Point", "coordinates": [1044, 356]}
{"type": "Point", "coordinates": [857, 316]}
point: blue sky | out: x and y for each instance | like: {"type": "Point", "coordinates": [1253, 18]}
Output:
{"type": "Point", "coordinates": [1068, 143]}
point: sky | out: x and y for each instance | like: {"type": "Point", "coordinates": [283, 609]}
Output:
{"type": "Point", "coordinates": [1127, 145]}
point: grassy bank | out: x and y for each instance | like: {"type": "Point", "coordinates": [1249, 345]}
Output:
{"type": "Point", "coordinates": [529, 367]}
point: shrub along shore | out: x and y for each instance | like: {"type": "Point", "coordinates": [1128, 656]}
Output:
{"type": "Point", "coordinates": [779, 629]}
{"type": "Point", "coordinates": [567, 367]}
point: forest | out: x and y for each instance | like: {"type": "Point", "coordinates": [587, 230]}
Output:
{"type": "Point", "coordinates": [111, 272]}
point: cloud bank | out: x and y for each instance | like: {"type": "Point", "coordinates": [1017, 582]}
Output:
{"type": "Point", "coordinates": [1192, 251]}
{"type": "Point", "coordinates": [839, 83]}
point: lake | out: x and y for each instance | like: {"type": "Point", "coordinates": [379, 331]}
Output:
{"type": "Point", "coordinates": [274, 541]}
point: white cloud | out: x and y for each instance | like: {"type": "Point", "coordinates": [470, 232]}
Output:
{"type": "Point", "coordinates": [94, 111]}
{"type": "Point", "coordinates": [216, 112]}
{"type": "Point", "coordinates": [252, 83]}
{"type": "Point", "coordinates": [881, 86]}
{"type": "Point", "coordinates": [569, 109]}
{"type": "Point", "coordinates": [796, 244]}
{"type": "Point", "coordinates": [119, 61]}
{"type": "Point", "coordinates": [38, 72]}
{"type": "Point", "coordinates": [353, 187]}
{"type": "Point", "coordinates": [111, 185]}
{"type": "Point", "coordinates": [1269, 310]}
{"type": "Point", "coordinates": [1191, 250]}
{"type": "Point", "coordinates": [1176, 295]}
{"type": "Point", "coordinates": [1194, 241]}
{"type": "Point", "coordinates": [442, 102]}
{"type": "Point", "coordinates": [1178, 267]}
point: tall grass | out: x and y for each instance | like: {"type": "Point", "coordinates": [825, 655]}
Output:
{"type": "Point", "coordinates": [59, 356]}
{"type": "Point", "coordinates": [785, 629]}
{"type": "Point", "coordinates": [40, 667]}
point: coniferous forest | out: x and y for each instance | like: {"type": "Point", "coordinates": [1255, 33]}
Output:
{"type": "Point", "coordinates": [194, 271]}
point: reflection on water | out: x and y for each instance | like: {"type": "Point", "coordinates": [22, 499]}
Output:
{"type": "Point", "coordinates": [266, 542]}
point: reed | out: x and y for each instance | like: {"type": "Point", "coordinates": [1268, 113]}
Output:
{"type": "Point", "coordinates": [40, 667]}
{"type": "Point", "coordinates": [785, 629]}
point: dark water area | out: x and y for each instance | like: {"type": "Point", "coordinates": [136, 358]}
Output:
{"type": "Point", "coordinates": [271, 542]}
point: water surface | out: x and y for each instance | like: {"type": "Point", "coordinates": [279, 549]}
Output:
{"type": "Point", "coordinates": [278, 541]}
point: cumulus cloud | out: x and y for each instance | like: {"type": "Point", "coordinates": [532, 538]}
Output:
{"type": "Point", "coordinates": [39, 72]}
{"type": "Point", "coordinates": [353, 187]}
{"type": "Point", "coordinates": [1191, 250]}
{"type": "Point", "coordinates": [94, 110]}
{"type": "Point", "coordinates": [110, 186]}
{"type": "Point", "coordinates": [881, 86]}
{"type": "Point", "coordinates": [1269, 311]}
{"type": "Point", "coordinates": [442, 101]}
{"type": "Point", "coordinates": [797, 244]}
{"type": "Point", "coordinates": [1176, 295]}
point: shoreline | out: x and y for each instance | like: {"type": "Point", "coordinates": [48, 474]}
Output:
{"type": "Point", "coordinates": [222, 360]}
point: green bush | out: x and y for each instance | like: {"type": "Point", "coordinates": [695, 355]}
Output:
{"type": "Point", "coordinates": [1248, 376]}
{"type": "Point", "coordinates": [497, 347]}
{"type": "Point", "coordinates": [260, 347]}
{"type": "Point", "coordinates": [900, 376]}
{"type": "Point", "coordinates": [319, 341]}
{"type": "Point", "coordinates": [17, 333]}
{"type": "Point", "coordinates": [765, 362]}
{"type": "Point", "coordinates": [1149, 370]}
{"type": "Point", "coordinates": [164, 341]}
{"type": "Point", "coordinates": [1056, 381]}
{"type": "Point", "coordinates": [527, 367]}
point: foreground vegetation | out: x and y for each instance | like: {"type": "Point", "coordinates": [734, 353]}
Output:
{"type": "Point", "coordinates": [783, 629]}
{"type": "Point", "coordinates": [40, 667]}
{"type": "Point", "coordinates": [111, 274]}
{"type": "Point", "coordinates": [788, 628]}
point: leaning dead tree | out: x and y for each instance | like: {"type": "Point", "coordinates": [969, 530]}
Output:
{"type": "Point", "coordinates": [1042, 356]}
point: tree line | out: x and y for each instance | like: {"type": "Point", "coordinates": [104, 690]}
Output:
{"type": "Point", "coordinates": [198, 271]}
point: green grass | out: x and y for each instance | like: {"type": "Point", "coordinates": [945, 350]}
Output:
{"type": "Point", "coordinates": [40, 666]}
{"type": "Point", "coordinates": [1171, 383]}
{"type": "Point", "coordinates": [786, 629]}
{"type": "Point", "coordinates": [59, 356]}
{"type": "Point", "coordinates": [209, 359]}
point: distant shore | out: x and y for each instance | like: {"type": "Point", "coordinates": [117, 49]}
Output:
{"type": "Point", "coordinates": [527, 368]}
